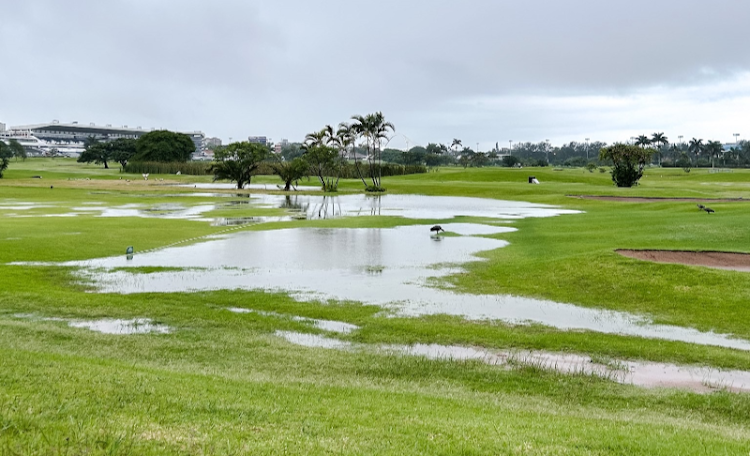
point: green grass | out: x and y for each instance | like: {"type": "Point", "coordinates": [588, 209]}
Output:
{"type": "Point", "coordinates": [222, 383]}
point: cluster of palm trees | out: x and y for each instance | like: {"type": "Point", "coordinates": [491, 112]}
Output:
{"type": "Point", "coordinates": [372, 128]}
{"type": "Point", "coordinates": [657, 140]}
{"type": "Point", "coordinates": [711, 148]}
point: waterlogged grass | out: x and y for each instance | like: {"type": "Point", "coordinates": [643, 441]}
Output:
{"type": "Point", "coordinates": [222, 383]}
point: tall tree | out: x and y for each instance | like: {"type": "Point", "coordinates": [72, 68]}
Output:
{"type": "Point", "coordinates": [375, 129]}
{"type": "Point", "coordinates": [642, 141]}
{"type": "Point", "coordinates": [322, 161]}
{"type": "Point", "coordinates": [238, 162]}
{"type": "Point", "coordinates": [96, 152]}
{"type": "Point", "coordinates": [346, 137]}
{"type": "Point", "coordinates": [659, 140]}
{"type": "Point", "coordinates": [315, 139]}
{"type": "Point", "coordinates": [696, 146]}
{"type": "Point", "coordinates": [122, 150]}
{"type": "Point", "coordinates": [17, 149]}
{"type": "Point", "coordinates": [164, 146]}
{"type": "Point", "coordinates": [456, 145]}
{"type": "Point", "coordinates": [714, 149]}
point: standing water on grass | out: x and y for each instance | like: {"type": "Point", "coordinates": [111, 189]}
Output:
{"type": "Point", "coordinates": [393, 267]}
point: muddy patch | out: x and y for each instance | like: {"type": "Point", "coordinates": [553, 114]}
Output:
{"type": "Point", "coordinates": [656, 199]}
{"type": "Point", "coordinates": [717, 260]}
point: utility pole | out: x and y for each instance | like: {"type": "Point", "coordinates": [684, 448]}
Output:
{"type": "Point", "coordinates": [546, 149]}
{"type": "Point", "coordinates": [510, 147]}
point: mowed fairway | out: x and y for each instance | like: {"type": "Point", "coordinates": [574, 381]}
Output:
{"type": "Point", "coordinates": [225, 383]}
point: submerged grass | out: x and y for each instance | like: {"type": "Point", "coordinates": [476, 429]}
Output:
{"type": "Point", "coordinates": [221, 383]}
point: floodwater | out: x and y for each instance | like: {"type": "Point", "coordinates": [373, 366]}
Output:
{"type": "Point", "coordinates": [315, 207]}
{"type": "Point", "coordinates": [226, 186]}
{"type": "Point", "coordinates": [409, 206]}
{"type": "Point", "coordinates": [326, 325]}
{"type": "Point", "coordinates": [392, 268]}
{"type": "Point", "coordinates": [109, 325]}
{"type": "Point", "coordinates": [645, 374]}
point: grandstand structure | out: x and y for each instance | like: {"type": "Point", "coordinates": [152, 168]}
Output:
{"type": "Point", "coordinates": [68, 138]}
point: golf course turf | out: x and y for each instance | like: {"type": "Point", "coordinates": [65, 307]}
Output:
{"type": "Point", "coordinates": [221, 382]}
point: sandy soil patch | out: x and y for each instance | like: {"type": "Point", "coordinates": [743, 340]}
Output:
{"type": "Point", "coordinates": [655, 199]}
{"type": "Point", "coordinates": [719, 260]}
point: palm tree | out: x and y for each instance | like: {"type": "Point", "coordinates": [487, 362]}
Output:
{"type": "Point", "coordinates": [714, 148]}
{"type": "Point", "coordinates": [315, 139]}
{"type": "Point", "coordinates": [456, 145]}
{"type": "Point", "coordinates": [345, 137]}
{"type": "Point", "coordinates": [658, 139]}
{"type": "Point", "coordinates": [374, 128]}
{"type": "Point", "coordinates": [674, 149]}
{"type": "Point", "coordinates": [696, 146]}
{"type": "Point", "coordinates": [734, 152]}
{"type": "Point", "coordinates": [642, 141]}
{"type": "Point", "coordinates": [329, 136]}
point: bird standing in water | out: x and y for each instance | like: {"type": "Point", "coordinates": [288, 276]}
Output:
{"type": "Point", "coordinates": [437, 229]}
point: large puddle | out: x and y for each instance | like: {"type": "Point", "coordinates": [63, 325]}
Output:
{"type": "Point", "coordinates": [109, 325]}
{"type": "Point", "coordinates": [309, 207]}
{"type": "Point", "coordinates": [645, 374]}
{"type": "Point", "coordinates": [393, 268]}
{"type": "Point", "coordinates": [229, 186]}
{"type": "Point", "coordinates": [410, 206]}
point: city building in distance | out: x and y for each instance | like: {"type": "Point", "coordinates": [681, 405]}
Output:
{"type": "Point", "coordinates": [68, 138]}
{"type": "Point", "coordinates": [211, 143]}
{"type": "Point", "coordinates": [258, 140]}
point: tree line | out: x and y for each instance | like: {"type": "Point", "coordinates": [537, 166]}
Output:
{"type": "Point", "coordinates": [155, 146]}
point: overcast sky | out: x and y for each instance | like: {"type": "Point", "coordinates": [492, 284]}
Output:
{"type": "Point", "coordinates": [483, 71]}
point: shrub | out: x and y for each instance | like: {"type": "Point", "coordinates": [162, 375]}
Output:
{"type": "Point", "coordinates": [627, 163]}
{"type": "Point", "coordinates": [510, 161]}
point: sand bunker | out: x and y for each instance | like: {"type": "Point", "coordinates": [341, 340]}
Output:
{"type": "Point", "coordinates": [718, 260]}
{"type": "Point", "coordinates": [653, 199]}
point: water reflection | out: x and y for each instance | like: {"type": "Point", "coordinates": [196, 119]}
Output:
{"type": "Point", "coordinates": [230, 186]}
{"type": "Point", "coordinates": [317, 207]}
{"type": "Point", "coordinates": [410, 206]}
{"type": "Point", "coordinates": [338, 263]}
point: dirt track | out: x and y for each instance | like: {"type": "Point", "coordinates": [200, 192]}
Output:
{"type": "Point", "coordinates": [718, 260]}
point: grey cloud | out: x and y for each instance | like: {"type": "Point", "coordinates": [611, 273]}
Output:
{"type": "Point", "coordinates": [286, 67]}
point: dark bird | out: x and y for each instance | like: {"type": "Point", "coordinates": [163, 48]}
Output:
{"type": "Point", "coordinates": [701, 207]}
{"type": "Point", "coordinates": [437, 229]}
{"type": "Point", "coordinates": [709, 210]}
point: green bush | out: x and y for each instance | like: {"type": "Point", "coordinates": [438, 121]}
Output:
{"type": "Point", "coordinates": [627, 163]}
